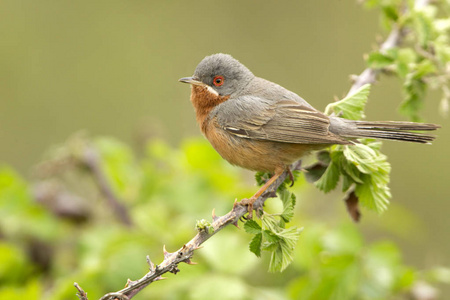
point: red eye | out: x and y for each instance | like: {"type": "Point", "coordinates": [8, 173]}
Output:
{"type": "Point", "coordinates": [218, 80]}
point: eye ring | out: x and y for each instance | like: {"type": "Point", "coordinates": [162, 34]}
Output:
{"type": "Point", "coordinates": [218, 80]}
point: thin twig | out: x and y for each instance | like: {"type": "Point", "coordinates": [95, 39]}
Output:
{"type": "Point", "coordinates": [92, 161]}
{"type": "Point", "coordinates": [82, 295]}
{"type": "Point", "coordinates": [369, 75]}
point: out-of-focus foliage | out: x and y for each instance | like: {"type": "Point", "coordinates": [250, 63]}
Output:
{"type": "Point", "coordinates": [43, 251]}
{"type": "Point", "coordinates": [422, 60]}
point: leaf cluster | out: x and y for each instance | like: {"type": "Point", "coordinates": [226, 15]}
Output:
{"type": "Point", "coordinates": [363, 168]}
{"type": "Point", "coordinates": [273, 236]}
{"type": "Point", "coordinates": [423, 57]}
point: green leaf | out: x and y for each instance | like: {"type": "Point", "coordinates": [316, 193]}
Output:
{"type": "Point", "coordinates": [270, 237]}
{"type": "Point", "coordinates": [373, 196]}
{"type": "Point", "coordinates": [364, 158]}
{"type": "Point", "coordinates": [252, 227]}
{"type": "Point", "coordinates": [255, 244]}
{"type": "Point", "coordinates": [363, 166]}
{"type": "Point", "coordinates": [423, 28]}
{"type": "Point", "coordinates": [352, 106]}
{"type": "Point", "coordinates": [377, 60]}
{"type": "Point", "coordinates": [347, 182]}
{"type": "Point", "coordinates": [424, 68]}
{"type": "Point", "coordinates": [390, 12]}
{"type": "Point", "coordinates": [329, 179]}
{"type": "Point", "coordinates": [405, 58]}
{"type": "Point", "coordinates": [371, 177]}
{"type": "Point", "coordinates": [351, 172]}
{"type": "Point", "coordinates": [288, 200]}
{"type": "Point", "coordinates": [285, 197]}
{"type": "Point", "coordinates": [270, 222]}
{"type": "Point", "coordinates": [414, 90]}
{"type": "Point", "coordinates": [283, 255]}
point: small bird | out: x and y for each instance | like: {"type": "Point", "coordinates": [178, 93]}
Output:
{"type": "Point", "coordinates": [261, 126]}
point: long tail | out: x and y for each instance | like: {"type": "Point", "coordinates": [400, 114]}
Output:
{"type": "Point", "coordinates": [390, 130]}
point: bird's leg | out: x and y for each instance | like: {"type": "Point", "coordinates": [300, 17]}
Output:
{"type": "Point", "coordinates": [249, 202]}
{"type": "Point", "coordinates": [291, 176]}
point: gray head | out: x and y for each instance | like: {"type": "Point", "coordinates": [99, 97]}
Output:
{"type": "Point", "coordinates": [222, 73]}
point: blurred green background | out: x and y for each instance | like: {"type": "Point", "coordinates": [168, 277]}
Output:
{"type": "Point", "coordinates": [111, 68]}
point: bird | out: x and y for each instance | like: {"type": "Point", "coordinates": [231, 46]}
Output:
{"type": "Point", "coordinates": [259, 125]}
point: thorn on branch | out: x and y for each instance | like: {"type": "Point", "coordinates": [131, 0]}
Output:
{"type": "Point", "coordinates": [160, 278]}
{"type": "Point", "coordinates": [130, 282]}
{"type": "Point", "coordinates": [197, 247]}
{"type": "Point", "coordinates": [214, 217]}
{"type": "Point", "coordinates": [150, 264]}
{"type": "Point", "coordinates": [166, 253]}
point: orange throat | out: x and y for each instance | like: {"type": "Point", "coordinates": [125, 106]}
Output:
{"type": "Point", "coordinates": [204, 101]}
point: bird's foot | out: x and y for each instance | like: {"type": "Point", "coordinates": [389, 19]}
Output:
{"type": "Point", "coordinates": [249, 203]}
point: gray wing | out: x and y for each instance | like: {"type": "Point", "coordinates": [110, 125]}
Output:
{"type": "Point", "coordinates": [284, 121]}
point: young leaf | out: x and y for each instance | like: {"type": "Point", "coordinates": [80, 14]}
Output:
{"type": "Point", "coordinates": [347, 182]}
{"type": "Point", "coordinates": [372, 196]}
{"type": "Point", "coordinates": [364, 158]}
{"type": "Point", "coordinates": [270, 223]}
{"type": "Point", "coordinates": [329, 179]}
{"type": "Point", "coordinates": [352, 106]}
{"type": "Point", "coordinates": [351, 171]}
{"type": "Point", "coordinates": [414, 90]}
{"type": "Point", "coordinates": [390, 12]}
{"type": "Point", "coordinates": [288, 200]}
{"type": "Point", "coordinates": [282, 256]}
{"type": "Point", "coordinates": [379, 60]}
{"type": "Point", "coordinates": [255, 244]}
{"type": "Point", "coordinates": [270, 238]}
{"type": "Point", "coordinates": [252, 227]}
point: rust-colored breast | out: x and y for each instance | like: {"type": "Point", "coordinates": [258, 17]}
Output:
{"type": "Point", "coordinates": [204, 101]}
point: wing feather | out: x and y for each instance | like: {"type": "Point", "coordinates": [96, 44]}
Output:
{"type": "Point", "coordinates": [285, 121]}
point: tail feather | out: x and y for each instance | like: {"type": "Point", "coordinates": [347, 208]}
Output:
{"type": "Point", "coordinates": [396, 125]}
{"type": "Point", "coordinates": [390, 130]}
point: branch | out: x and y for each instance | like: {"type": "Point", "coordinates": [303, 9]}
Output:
{"type": "Point", "coordinates": [184, 254]}
{"type": "Point", "coordinates": [82, 295]}
{"type": "Point", "coordinates": [369, 75]}
{"type": "Point", "coordinates": [91, 160]}
{"type": "Point", "coordinates": [394, 38]}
